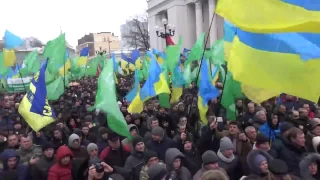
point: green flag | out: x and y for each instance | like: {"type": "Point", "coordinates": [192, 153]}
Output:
{"type": "Point", "coordinates": [187, 74]}
{"type": "Point", "coordinates": [3, 70]}
{"type": "Point", "coordinates": [173, 55]}
{"type": "Point", "coordinates": [164, 100]}
{"type": "Point", "coordinates": [231, 91]}
{"type": "Point", "coordinates": [106, 101]}
{"type": "Point", "coordinates": [145, 68]}
{"type": "Point", "coordinates": [55, 50]}
{"type": "Point", "coordinates": [55, 89]}
{"type": "Point", "coordinates": [196, 50]}
{"type": "Point", "coordinates": [32, 62]}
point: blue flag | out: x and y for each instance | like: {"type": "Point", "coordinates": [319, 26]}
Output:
{"type": "Point", "coordinates": [39, 104]}
{"type": "Point", "coordinates": [11, 40]}
{"type": "Point", "coordinates": [84, 51]}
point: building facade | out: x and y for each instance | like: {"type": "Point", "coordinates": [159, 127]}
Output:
{"type": "Point", "coordinates": [103, 41]}
{"type": "Point", "coordinates": [189, 17]}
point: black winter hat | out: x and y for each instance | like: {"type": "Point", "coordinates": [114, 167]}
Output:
{"type": "Point", "coordinates": [46, 146]}
{"type": "Point", "coordinates": [136, 140]}
{"type": "Point", "coordinates": [261, 139]}
{"type": "Point", "coordinates": [148, 155]}
{"type": "Point", "coordinates": [278, 167]}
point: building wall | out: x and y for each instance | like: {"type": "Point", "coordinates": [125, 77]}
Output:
{"type": "Point", "coordinates": [101, 42]}
{"type": "Point", "coordinates": [182, 14]}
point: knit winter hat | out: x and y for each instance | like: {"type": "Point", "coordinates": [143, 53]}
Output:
{"type": "Point", "coordinates": [136, 140]}
{"type": "Point", "coordinates": [157, 171]}
{"type": "Point", "coordinates": [285, 127]}
{"type": "Point", "coordinates": [226, 144]}
{"type": "Point", "coordinates": [209, 157]}
{"type": "Point", "coordinates": [46, 146]}
{"type": "Point", "coordinates": [148, 155]}
{"type": "Point", "coordinates": [259, 159]}
{"type": "Point", "coordinates": [261, 139]}
{"type": "Point", "coordinates": [91, 146]}
{"type": "Point", "coordinates": [278, 167]}
{"type": "Point", "coordinates": [158, 131]}
{"type": "Point", "coordinates": [72, 138]}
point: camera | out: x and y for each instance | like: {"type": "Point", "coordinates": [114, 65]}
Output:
{"type": "Point", "coordinates": [99, 168]}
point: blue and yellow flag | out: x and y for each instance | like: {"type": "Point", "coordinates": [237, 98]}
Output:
{"type": "Point", "coordinates": [83, 56]}
{"type": "Point", "coordinates": [156, 82]}
{"type": "Point", "coordinates": [206, 92]}
{"type": "Point", "coordinates": [272, 16]}
{"type": "Point", "coordinates": [34, 107]}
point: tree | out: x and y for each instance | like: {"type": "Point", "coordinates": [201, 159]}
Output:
{"type": "Point", "coordinates": [32, 42]}
{"type": "Point", "coordinates": [137, 34]}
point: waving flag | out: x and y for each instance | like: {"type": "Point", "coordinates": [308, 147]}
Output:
{"type": "Point", "coordinates": [12, 41]}
{"type": "Point", "coordinates": [259, 15]}
{"type": "Point", "coordinates": [34, 107]}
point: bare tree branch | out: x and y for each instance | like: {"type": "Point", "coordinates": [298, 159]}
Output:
{"type": "Point", "coordinates": [138, 35]}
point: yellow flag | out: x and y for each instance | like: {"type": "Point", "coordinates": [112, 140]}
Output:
{"type": "Point", "coordinates": [9, 58]}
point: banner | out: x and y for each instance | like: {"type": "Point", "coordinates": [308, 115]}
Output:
{"type": "Point", "coordinates": [18, 84]}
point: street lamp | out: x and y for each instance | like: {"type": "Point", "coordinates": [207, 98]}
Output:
{"type": "Point", "coordinates": [166, 31]}
{"type": "Point", "coordinates": [100, 52]}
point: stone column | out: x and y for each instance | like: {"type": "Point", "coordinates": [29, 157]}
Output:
{"type": "Point", "coordinates": [199, 18]}
{"type": "Point", "coordinates": [214, 28]}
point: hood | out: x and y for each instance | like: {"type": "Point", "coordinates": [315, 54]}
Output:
{"type": "Point", "coordinates": [63, 151]}
{"type": "Point", "coordinates": [315, 143]}
{"type": "Point", "coordinates": [8, 153]}
{"type": "Point", "coordinates": [304, 169]}
{"type": "Point", "coordinates": [133, 126]}
{"type": "Point", "coordinates": [251, 157]}
{"type": "Point", "coordinates": [171, 155]}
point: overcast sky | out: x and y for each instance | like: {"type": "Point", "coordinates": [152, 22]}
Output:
{"type": "Point", "coordinates": [43, 18]}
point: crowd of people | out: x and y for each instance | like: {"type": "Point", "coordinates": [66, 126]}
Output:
{"type": "Point", "coordinates": [271, 141]}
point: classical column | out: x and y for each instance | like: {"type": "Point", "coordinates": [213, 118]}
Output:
{"type": "Point", "coordinates": [214, 28]}
{"type": "Point", "coordinates": [199, 18]}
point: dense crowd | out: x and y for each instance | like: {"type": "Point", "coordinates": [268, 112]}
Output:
{"type": "Point", "coordinates": [271, 141]}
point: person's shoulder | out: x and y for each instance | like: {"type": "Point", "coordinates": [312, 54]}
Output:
{"type": "Point", "coordinates": [126, 148]}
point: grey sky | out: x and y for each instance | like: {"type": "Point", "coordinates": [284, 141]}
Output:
{"type": "Point", "coordinates": [43, 18]}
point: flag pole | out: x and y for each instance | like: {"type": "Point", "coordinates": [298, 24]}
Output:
{"type": "Point", "coordinates": [25, 89]}
{"type": "Point", "coordinates": [204, 49]}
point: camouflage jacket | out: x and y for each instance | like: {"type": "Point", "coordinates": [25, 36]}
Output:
{"type": "Point", "coordinates": [144, 172]}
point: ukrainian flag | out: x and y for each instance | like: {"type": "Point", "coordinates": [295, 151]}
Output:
{"type": "Point", "coordinates": [229, 33]}
{"type": "Point", "coordinates": [34, 107]}
{"type": "Point", "coordinates": [177, 84]}
{"type": "Point", "coordinates": [275, 62]}
{"type": "Point", "coordinates": [272, 16]}
{"type": "Point", "coordinates": [82, 61]}
{"type": "Point", "coordinates": [207, 92]}
{"type": "Point", "coordinates": [132, 94]}
{"type": "Point", "coordinates": [156, 81]}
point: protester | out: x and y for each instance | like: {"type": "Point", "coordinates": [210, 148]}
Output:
{"type": "Point", "coordinates": [269, 140]}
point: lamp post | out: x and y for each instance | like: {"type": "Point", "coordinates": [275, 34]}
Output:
{"type": "Point", "coordinates": [166, 31]}
{"type": "Point", "coordinates": [100, 52]}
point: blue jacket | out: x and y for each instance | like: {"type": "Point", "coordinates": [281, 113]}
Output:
{"type": "Point", "coordinates": [266, 130]}
{"type": "Point", "coordinates": [22, 170]}
{"type": "Point", "coordinates": [161, 147]}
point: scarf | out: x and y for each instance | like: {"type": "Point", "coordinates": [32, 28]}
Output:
{"type": "Point", "coordinates": [225, 159]}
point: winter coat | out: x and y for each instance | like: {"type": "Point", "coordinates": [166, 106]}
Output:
{"type": "Point", "coordinates": [59, 171]}
{"type": "Point", "coordinates": [40, 170]}
{"type": "Point", "coordinates": [126, 141]}
{"type": "Point", "coordinates": [292, 155]}
{"type": "Point", "coordinates": [134, 163]}
{"type": "Point", "coordinates": [269, 132]}
{"type": "Point", "coordinates": [19, 173]}
{"type": "Point", "coordinates": [304, 169]}
{"type": "Point", "coordinates": [182, 173]}
{"type": "Point", "coordinates": [26, 155]}
{"type": "Point", "coordinates": [161, 147]}
{"type": "Point", "coordinates": [251, 159]}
